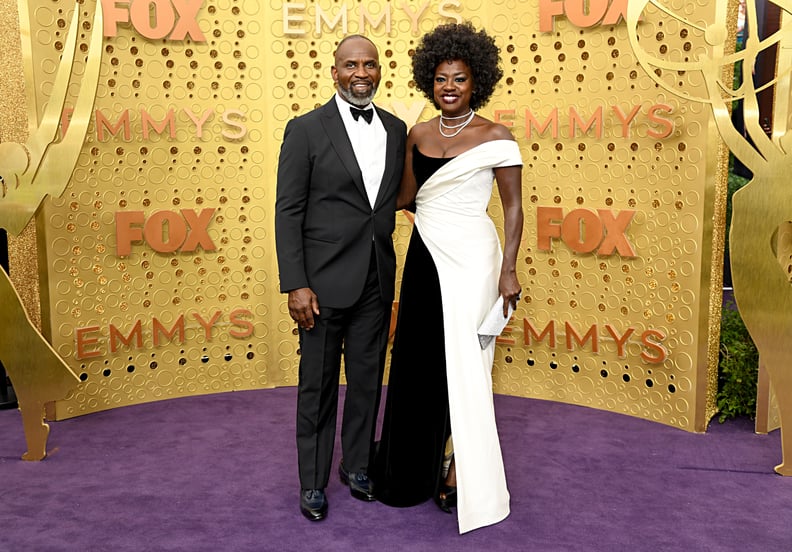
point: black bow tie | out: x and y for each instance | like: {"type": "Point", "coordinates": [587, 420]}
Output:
{"type": "Point", "coordinates": [367, 114]}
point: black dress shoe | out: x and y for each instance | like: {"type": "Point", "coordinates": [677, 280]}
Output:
{"type": "Point", "coordinates": [446, 498]}
{"type": "Point", "coordinates": [313, 504]}
{"type": "Point", "coordinates": [359, 484]}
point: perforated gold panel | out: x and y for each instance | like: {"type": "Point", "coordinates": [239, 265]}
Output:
{"type": "Point", "coordinates": [162, 279]}
{"type": "Point", "coordinates": [628, 329]}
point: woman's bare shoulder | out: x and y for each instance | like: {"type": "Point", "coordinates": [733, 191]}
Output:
{"type": "Point", "coordinates": [422, 128]}
{"type": "Point", "coordinates": [495, 131]}
{"type": "Point", "coordinates": [419, 133]}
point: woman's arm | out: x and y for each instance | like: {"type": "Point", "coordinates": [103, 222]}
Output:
{"type": "Point", "coordinates": [408, 188]}
{"type": "Point", "coordinates": [509, 181]}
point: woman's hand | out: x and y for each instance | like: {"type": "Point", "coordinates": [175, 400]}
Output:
{"type": "Point", "coordinates": [509, 289]}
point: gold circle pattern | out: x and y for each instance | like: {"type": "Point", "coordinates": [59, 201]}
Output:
{"type": "Point", "coordinates": [204, 121]}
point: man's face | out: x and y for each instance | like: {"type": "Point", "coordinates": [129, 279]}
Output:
{"type": "Point", "coordinates": [356, 72]}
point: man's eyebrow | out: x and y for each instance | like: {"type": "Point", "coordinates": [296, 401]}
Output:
{"type": "Point", "coordinates": [355, 59]}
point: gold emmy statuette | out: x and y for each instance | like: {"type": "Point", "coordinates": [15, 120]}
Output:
{"type": "Point", "coordinates": [28, 173]}
{"type": "Point", "coordinates": [762, 210]}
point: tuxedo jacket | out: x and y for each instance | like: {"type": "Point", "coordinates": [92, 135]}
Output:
{"type": "Point", "coordinates": [324, 222]}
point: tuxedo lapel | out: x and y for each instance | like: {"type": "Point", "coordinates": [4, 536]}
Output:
{"type": "Point", "coordinates": [336, 133]}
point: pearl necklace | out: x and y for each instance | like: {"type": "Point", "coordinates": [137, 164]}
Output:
{"type": "Point", "coordinates": [457, 128]}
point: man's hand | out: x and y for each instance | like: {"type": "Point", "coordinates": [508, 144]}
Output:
{"type": "Point", "coordinates": [303, 305]}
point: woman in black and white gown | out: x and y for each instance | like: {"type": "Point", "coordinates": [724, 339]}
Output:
{"type": "Point", "coordinates": [440, 381]}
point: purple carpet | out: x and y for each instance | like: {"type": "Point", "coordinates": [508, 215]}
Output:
{"type": "Point", "coordinates": [219, 473]}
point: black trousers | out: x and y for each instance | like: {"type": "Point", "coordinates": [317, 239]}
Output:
{"type": "Point", "coordinates": [360, 333]}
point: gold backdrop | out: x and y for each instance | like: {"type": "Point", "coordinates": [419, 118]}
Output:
{"type": "Point", "coordinates": [158, 275]}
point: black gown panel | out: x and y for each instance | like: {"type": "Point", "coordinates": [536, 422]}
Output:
{"type": "Point", "coordinates": [416, 423]}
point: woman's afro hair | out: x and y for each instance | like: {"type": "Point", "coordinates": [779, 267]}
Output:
{"type": "Point", "coordinates": [458, 41]}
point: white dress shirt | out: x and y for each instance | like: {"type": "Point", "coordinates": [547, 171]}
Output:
{"type": "Point", "coordinates": [368, 142]}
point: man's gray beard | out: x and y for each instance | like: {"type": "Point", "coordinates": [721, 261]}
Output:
{"type": "Point", "coordinates": [360, 101]}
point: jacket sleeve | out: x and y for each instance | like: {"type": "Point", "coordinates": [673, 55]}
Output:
{"type": "Point", "coordinates": [293, 187]}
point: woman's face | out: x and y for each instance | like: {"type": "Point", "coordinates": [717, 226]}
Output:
{"type": "Point", "coordinates": [453, 87]}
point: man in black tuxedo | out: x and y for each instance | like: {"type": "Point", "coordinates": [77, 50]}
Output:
{"type": "Point", "coordinates": [338, 175]}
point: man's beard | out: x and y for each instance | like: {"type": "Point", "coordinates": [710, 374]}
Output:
{"type": "Point", "coordinates": [360, 101]}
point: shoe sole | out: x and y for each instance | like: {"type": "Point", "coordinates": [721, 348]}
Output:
{"type": "Point", "coordinates": [310, 516]}
{"type": "Point", "coordinates": [361, 495]}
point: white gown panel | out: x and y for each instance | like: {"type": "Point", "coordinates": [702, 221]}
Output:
{"type": "Point", "coordinates": [451, 216]}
